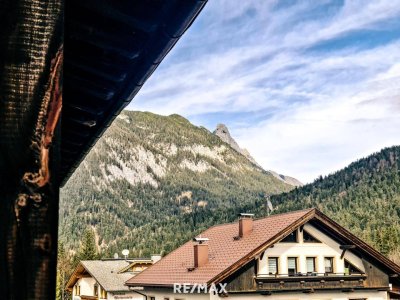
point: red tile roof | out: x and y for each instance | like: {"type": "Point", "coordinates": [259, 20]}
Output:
{"type": "Point", "coordinates": [224, 251]}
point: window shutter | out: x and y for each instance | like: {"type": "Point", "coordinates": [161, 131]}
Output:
{"type": "Point", "coordinates": [272, 267]}
{"type": "Point", "coordinates": [328, 263]}
{"type": "Point", "coordinates": [310, 264]}
{"type": "Point", "coordinates": [292, 263]}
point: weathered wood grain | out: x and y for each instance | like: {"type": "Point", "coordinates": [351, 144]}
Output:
{"type": "Point", "coordinates": [30, 105]}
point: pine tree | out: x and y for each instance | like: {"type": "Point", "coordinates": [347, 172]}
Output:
{"type": "Point", "coordinates": [88, 249]}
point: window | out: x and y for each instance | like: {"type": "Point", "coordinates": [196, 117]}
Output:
{"type": "Point", "coordinates": [292, 266]}
{"type": "Point", "coordinates": [350, 269]}
{"type": "Point", "coordinates": [96, 289]}
{"type": "Point", "coordinates": [308, 238]}
{"type": "Point", "coordinates": [310, 264]}
{"type": "Point", "coordinates": [273, 265]}
{"type": "Point", "coordinates": [103, 293]}
{"type": "Point", "coordinates": [291, 238]}
{"type": "Point", "coordinates": [328, 261]}
{"type": "Point", "coordinates": [77, 290]}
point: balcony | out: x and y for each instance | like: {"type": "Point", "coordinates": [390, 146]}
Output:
{"type": "Point", "coordinates": [308, 282]}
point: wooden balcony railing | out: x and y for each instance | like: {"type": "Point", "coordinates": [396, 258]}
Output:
{"type": "Point", "coordinates": [309, 281]}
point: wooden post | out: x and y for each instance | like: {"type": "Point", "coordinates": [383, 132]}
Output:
{"type": "Point", "coordinates": [31, 56]}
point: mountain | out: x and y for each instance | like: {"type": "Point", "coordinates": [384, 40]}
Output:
{"type": "Point", "coordinates": [364, 197]}
{"type": "Point", "coordinates": [151, 182]}
{"type": "Point", "coordinates": [223, 133]}
{"type": "Point", "coordinates": [286, 179]}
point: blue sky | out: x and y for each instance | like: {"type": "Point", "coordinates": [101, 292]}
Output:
{"type": "Point", "coordinates": [306, 86]}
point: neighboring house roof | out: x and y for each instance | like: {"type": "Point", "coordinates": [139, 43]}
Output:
{"type": "Point", "coordinates": [227, 254]}
{"type": "Point", "coordinates": [135, 262]}
{"type": "Point", "coordinates": [224, 252]}
{"type": "Point", "coordinates": [106, 272]}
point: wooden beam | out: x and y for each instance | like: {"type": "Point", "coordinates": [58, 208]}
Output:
{"type": "Point", "coordinates": [31, 35]}
{"type": "Point", "coordinates": [83, 276]}
{"type": "Point", "coordinates": [344, 248]}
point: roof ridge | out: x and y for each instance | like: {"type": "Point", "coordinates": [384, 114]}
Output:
{"type": "Point", "coordinates": [261, 218]}
{"type": "Point", "coordinates": [287, 213]}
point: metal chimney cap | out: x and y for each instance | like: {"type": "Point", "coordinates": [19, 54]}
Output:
{"type": "Point", "coordinates": [246, 215]}
{"type": "Point", "coordinates": [200, 240]}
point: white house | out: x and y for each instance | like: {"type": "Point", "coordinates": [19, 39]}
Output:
{"type": "Point", "coordinates": [105, 279]}
{"type": "Point", "coordinates": [293, 256]}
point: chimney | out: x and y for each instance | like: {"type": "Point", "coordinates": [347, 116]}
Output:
{"type": "Point", "coordinates": [245, 224]}
{"type": "Point", "coordinates": [200, 252]}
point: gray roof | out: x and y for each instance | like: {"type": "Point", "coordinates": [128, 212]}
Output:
{"type": "Point", "coordinates": [106, 273]}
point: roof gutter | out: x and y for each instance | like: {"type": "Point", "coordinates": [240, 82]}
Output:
{"type": "Point", "coordinates": [144, 295]}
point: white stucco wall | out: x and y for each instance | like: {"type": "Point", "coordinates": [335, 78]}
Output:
{"type": "Point", "coordinates": [87, 286]}
{"type": "Point", "coordinates": [125, 296]}
{"type": "Point", "coordinates": [301, 250]}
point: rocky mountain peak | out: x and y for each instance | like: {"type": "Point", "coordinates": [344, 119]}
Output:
{"type": "Point", "coordinates": [223, 133]}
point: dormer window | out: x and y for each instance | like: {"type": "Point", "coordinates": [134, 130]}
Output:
{"type": "Point", "coordinates": [291, 238]}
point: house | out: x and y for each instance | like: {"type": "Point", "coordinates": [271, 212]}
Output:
{"type": "Point", "coordinates": [105, 279]}
{"type": "Point", "coordinates": [298, 255]}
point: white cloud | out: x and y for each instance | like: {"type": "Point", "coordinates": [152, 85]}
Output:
{"type": "Point", "coordinates": [321, 137]}
{"type": "Point", "coordinates": [328, 107]}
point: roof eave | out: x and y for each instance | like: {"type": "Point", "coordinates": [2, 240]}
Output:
{"type": "Point", "coordinates": [156, 285]}
{"type": "Point", "coordinates": [181, 21]}
{"type": "Point", "coordinates": [73, 278]}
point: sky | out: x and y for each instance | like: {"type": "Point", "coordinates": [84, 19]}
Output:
{"type": "Point", "coordinates": [306, 86]}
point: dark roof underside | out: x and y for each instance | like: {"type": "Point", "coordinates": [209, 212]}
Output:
{"type": "Point", "coordinates": [111, 49]}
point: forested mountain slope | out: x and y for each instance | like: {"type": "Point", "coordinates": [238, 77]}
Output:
{"type": "Point", "coordinates": [151, 182]}
{"type": "Point", "coordinates": [364, 197]}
